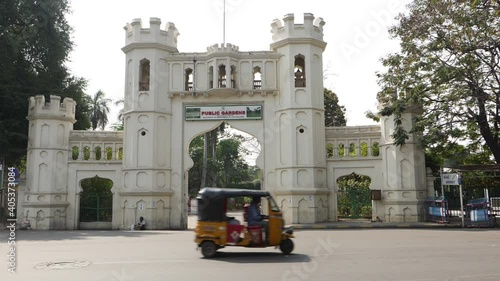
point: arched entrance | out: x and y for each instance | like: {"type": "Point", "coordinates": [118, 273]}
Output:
{"type": "Point", "coordinates": [354, 197]}
{"type": "Point", "coordinates": [224, 157]}
{"type": "Point", "coordinates": [96, 203]}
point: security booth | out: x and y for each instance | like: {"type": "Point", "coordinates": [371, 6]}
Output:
{"type": "Point", "coordinates": [437, 210]}
{"type": "Point", "coordinates": [478, 212]}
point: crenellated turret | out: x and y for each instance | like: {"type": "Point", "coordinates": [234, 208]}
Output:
{"type": "Point", "coordinates": [44, 200]}
{"type": "Point", "coordinates": [301, 159]}
{"type": "Point", "coordinates": [229, 48]}
{"type": "Point", "coordinates": [286, 30]}
{"type": "Point", "coordinates": [136, 34]}
{"type": "Point", "coordinates": [53, 109]}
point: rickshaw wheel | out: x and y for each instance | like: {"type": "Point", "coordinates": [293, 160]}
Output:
{"type": "Point", "coordinates": [286, 246]}
{"type": "Point", "coordinates": [208, 249]}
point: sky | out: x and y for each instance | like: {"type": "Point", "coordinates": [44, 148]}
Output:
{"type": "Point", "coordinates": [355, 32]}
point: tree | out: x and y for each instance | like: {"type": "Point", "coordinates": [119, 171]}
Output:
{"type": "Point", "coordinates": [210, 156]}
{"type": "Point", "coordinates": [334, 113]}
{"type": "Point", "coordinates": [448, 67]}
{"type": "Point", "coordinates": [230, 159]}
{"type": "Point", "coordinates": [99, 110]}
{"type": "Point", "coordinates": [35, 43]}
{"type": "Point", "coordinates": [354, 199]}
{"type": "Point", "coordinates": [227, 169]}
{"type": "Point", "coordinates": [119, 125]}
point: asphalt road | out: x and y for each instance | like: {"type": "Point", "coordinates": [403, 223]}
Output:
{"type": "Point", "coordinates": [345, 255]}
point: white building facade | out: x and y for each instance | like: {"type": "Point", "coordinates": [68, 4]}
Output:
{"type": "Point", "coordinates": [172, 97]}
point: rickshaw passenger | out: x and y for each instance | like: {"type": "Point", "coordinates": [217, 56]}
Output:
{"type": "Point", "coordinates": [254, 216]}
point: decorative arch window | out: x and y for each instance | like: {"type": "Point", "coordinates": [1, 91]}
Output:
{"type": "Point", "coordinates": [86, 153]}
{"type": "Point", "coordinates": [257, 78]}
{"type": "Point", "coordinates": [233, 76]}
{"type": "Point", "coordinates": [299, 71]}
{"type": "Point", "coordinates": [222, 76]}
{"type": "Point", "coordinates": [375, 149]}
{"type": "Point", "coordinates": [329, 150]}
{"type": "Point", "coordinates": [364, 149]}
{"type": "Point", "coordinates": [98, 153]}
{"type": "Point", "coordinates": [75, 152]}
{"type": "Point", "coordinates": [188, 80]}
{"type": "Point", "coordinates": [352, 150]}
{"type": "Point", "coordinates": [119, 155]}
{"type": "Point", "coordinates": [109, 153]}
{"type": "Point", "coordinates": [211, 77]}
{"type": "Point", "coordinates": [144, 75]}
{"type": "Point", "coordinates": [341, 150]}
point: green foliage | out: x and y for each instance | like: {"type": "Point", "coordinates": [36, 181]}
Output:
{"type": "Point", "coordinates": [354, 199]}
{"type": "Point", "coordinates": [341, 150]}
{"type": "Point", "coordinates": [228, 169]}
{"type": "Point", "coordinates": [334, 113]}
{"type": "Point", "coordinates": [86, 153]}
{"type": "Point", "coordinates": [119, 125]}
{"type": "Point", "coordinates": [448, 67]}
{"type": "Point", "coordinates": [364, 149]}
{"type": "Point", "coordinates": [35, 43]}
{"type": "Point", "coordinates": [99, 110]}
{"type": "Point", "coordinates": [75, 152]}
{"type": "Point", "coordinates": [98, 153]}
{"type": "Point", "coordinates": [109, 153]}
{"type": "Point", "coordinates": [329, 150]}
{"type": "Point", "coordinates": [120, 153]}
{"type": "Point", "coordinates": [255, 185]}
{"type": "Point", "coordinates": [96, 186]}
{"type": "Point", "coordinates": [376, 149]}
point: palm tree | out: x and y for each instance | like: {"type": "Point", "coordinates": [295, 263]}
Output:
{"type": "Point", "coordinates": [99, 110]}
{"type": "Point", "coordinates": [120, 113]}
{"type": "Point", "coordinates": [118, 126]}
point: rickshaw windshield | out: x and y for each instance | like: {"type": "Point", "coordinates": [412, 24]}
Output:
{"type": "Point", "coordinates": [272, 203]}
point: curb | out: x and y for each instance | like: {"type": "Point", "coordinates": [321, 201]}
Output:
{"type": "Point", "coordinates": [373, 226]}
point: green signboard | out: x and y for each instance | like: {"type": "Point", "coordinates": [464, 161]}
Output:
{"type": "Point", "coordinates": [226, 112]}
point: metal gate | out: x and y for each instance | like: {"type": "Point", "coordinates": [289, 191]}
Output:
{"type": "Point", "coordinates": [495, 206]}
{"type": "Point", "coordinates": [96, 207]}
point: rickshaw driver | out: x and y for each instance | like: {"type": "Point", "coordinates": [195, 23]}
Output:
{"type": "Point", "coordinates": [254, 217]}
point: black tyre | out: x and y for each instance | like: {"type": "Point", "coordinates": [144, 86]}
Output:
{"type": "Point", "coordinates": [208, 249]}
{"type": "Point", "coordinates": [286, 246]}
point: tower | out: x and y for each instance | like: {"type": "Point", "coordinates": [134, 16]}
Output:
{"type": "Point", "coordinates": [44, 200]}
{"type": "Point", "coordinates": [147, 115]}
{"type": "Point", "coordinates": [301, 161]}
{"type": "Point", "coordinates": [404, 183]}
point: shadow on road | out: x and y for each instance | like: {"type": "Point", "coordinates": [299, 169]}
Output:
{"type": "Point", "coordinates": [40, 235]}
{"type": "Point", "coordinates": [260, 257]}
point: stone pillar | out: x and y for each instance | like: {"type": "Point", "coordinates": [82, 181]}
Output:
{"type": "Point", "coordinates": [147, 189]}
{"type": "Point", "coordinates": [301, 186]}
{"type": "Point", "coordinates": [404, 187]}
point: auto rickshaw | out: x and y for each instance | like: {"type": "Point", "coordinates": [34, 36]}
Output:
{"type": "Point", "coordinates": [215, 230]}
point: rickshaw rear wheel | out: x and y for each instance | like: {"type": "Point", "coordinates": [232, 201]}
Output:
{"type": "Point", "coordinates": [208, 249]}
{"type": "Point", "coordinates": [286, 246]}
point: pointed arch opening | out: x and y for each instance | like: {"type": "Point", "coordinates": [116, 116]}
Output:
{"type": "Point", "coordinates": [211, 77]}
{"type": "Point", "coordinates": [224, 157]}
{"type": "Point", "coordinates": [144, 75]}
{"type": "Point", "coordinates": [299, 71]}
{"type": "Point", "coordinates": [257, 78]}
{"type": "Point", "coordinates": [222, 76]}
{"type": "Point", "coordinates": [233, 76]}
{"type": "Point", "coordinates": [96, 203]}
{"type": "Point", "coordinates": [188, 80]}
{"type": "Point", "coordinates": [354, 197]}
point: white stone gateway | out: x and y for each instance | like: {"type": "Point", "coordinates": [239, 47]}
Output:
{"type": "Point", "coordinates": [172, 97]}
